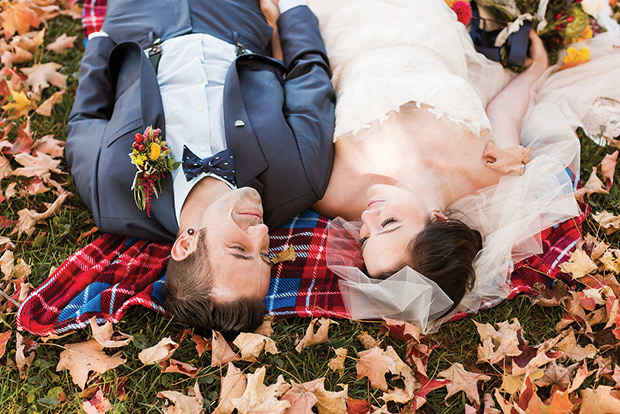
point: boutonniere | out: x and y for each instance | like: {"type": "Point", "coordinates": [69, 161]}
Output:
{"type": "Point", "coordinates": [151, 155]}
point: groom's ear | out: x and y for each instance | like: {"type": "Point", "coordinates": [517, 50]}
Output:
{"type": "Point", "coordinates": [438, 215]}
{"type": "Point", "coordinates": [184, 245]}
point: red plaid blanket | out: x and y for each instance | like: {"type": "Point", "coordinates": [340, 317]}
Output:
{"type": "Point", "coordinates": [113, 273]}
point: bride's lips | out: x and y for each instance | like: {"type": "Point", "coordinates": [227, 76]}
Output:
{"type": "Point", "coordinates": [372, 202]}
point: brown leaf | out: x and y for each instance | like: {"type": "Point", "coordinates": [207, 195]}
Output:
{"type": "Point", "coordinates": [287, 255]}
{"type": "Point", "coordinates": [83, 357]}
{"type": "Point", "coordinates": [251, 345]}
{"type": "Point", "coordinates": [50, 146]}
{"type": "Point", "coordinates": [40, 76]}
{"type": "Point", "coordinates": [556, 375]}
{"type": "Point", "coordinates": [608, 168]}
{"type": "Point", "coordinates": [39, 166]}
{"type": "Point", "coordinates": [374, 364]}
{"type": "Point", "coordinates": [579, 265]}
{"type": "Point", "coordinates": [506, 160]}
{"type": "Point", "coordinates": [97, 405]}
{"type": "Point", "coordinates": [221, 352]}
{"type": "Point", "coordinates": [512, 384]}
{"type": "Point", "coordinates": [593, 186]}
{"type": "Point", "coordinates": [330, 402]}
{"type": "Point", "coordinates": [462, 380]}
{"type": "Point", "coordinates": [233, 386]}
{"type": "Point", "coordinates": [601, 400]}
{"type": "Point", "coordinates": [36, 186]}
{"type": "Point", "coordinates": [301, 397]}
{"type": "Point", "coordinates": [106, 336]}
{"type": "Point", "coordinates": [10, 191]}
{"type": "Point", "coordinates": [29, 218]}
{"type": "Point", "coordinates": [4, 338]}
{"type": "Point", "coordinates": [158, 353]}
{"type": "Point", "coordinates": [174, 366]}
{"type": "Point", "coordinates": [24, 354]}
{"type": "Point", "coordinates": [337, 363]}
{"type": "Point", "coordinates": [497, 345]}
{"type": "Point", "coordinates": [5, 167]}
{"type": "Point", "coordinates": [311, 338]}
{"type": "Point", "coordinates": [183, 404]}
{"type": "Point", "coordinates": [258, 398]}
{"type": "Point", "coordinates": [29, 41]}
{"type": "Point", "coordinates": [367, 340]}
{"type": "Point", "coordinates": [574, 351]}
{"type": "Point", "coordinates": [45, 109]}
{"type": "Point", "coordinates": [608, 222]}
{"type": "Point", "coordinates": [5, 244]}
{"type": "Point", "coordinates": [265, 328]}
{"type": "Point", "coordinates": [17, 17]}
{"type": "Point", "coordinates": [61, 43]}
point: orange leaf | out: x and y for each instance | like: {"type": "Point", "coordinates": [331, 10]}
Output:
{"type": "Point", "coordinates": [311, 338]}
{"type": "Point", "coordinates": [593, 186]}
{"type": "Point", "coordinates": [17, 17]}
{"type": "Point", "coordinates": [158, 353]}
{"type": "Point", "coordinates": [87, 233]}
{"type": "Point", "coordinates": [221, 352]}
{"type": "Point", "coordinates": [506, 160]}
{"type": "Point", "coordinates": [45, 109]}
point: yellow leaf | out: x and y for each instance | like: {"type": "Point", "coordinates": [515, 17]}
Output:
{"type": "Point", "coordinates": [287, 255]}
{"type": "Point", "coordinates": [579, 264]}
{"type": "Point", "coordinates": [20, 104]}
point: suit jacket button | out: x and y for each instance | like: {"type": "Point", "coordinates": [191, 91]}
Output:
{"type": "Point", "coordinates": [239, 123]}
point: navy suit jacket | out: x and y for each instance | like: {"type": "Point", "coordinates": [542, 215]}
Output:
{"type": "Point", "coordinates": [283, 147]}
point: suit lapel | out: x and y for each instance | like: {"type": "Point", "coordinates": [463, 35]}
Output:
{"type": "Point", "coordinates": [240, 137]}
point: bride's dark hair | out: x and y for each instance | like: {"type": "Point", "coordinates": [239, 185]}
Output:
{"type": "Point", "coordinates": [444, 252]}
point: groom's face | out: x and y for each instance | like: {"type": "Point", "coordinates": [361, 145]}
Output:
{"type": "Point", "coordinates": [237, 243]}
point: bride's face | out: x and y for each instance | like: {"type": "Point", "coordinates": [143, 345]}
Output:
{"type": "Point", "coordinates": [392, 219]}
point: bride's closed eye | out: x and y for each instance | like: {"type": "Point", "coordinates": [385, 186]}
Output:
{"type": "Point", "coordinates": [363, 240]}
{"type": "Point", "coordinates": [388, 221]}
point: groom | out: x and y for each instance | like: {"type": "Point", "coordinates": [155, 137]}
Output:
{"type": "Point", "coordinates": [200, 71]}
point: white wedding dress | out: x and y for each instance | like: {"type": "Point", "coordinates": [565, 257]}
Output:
{"type": "Point", "coordinates": [388, 53]}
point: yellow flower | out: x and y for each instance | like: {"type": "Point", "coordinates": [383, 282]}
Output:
{"type": "Point", "coordinates": [575, 57]}
{"type": "Point", "coordinates": [138, 159]}
{"type": "Point", "coordinates": [155, 151]}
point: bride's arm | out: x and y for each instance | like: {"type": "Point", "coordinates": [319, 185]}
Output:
{"type": "Point", "coordinates": [271, 11]}
{"type": "Point", "coordinates": [507, 109]}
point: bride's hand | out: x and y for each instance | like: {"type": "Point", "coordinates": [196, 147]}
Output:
{"type": "Point", "coordinates": [538, 60]}
{"type": "Point", "coordinates": [271, 11]}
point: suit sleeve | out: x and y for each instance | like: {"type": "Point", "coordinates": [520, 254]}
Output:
{"type": "Point", "coordinates": [92, 109]}
{"type": "Point", "coordinates": [309, 94]}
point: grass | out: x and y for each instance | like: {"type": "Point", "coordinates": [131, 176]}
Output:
{"type": "Point", "coordinates": [51, 244]}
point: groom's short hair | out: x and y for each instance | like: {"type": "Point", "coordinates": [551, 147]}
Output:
{"type": "Point", "coordinates": [188, 297]}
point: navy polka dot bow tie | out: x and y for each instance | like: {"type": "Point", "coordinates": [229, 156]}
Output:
{"type": "Point", "coordinates": [221, 164]}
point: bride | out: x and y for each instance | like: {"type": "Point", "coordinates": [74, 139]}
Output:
{"type": "Point", "coordinates": [418, 116]}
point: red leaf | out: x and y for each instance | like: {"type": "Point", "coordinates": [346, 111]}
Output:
{"type": "Point", "coordinates": [24, 141]}
{"type": "Point", "coordinates": [358, 406]}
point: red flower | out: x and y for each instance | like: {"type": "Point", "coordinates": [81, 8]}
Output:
{"type": "Point", "coordinates": [463, 11]}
